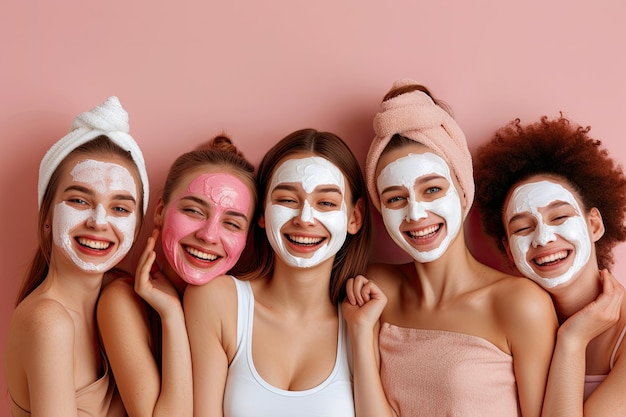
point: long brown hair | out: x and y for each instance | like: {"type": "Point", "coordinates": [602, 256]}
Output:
{"type": "Point", "coordinates": [352, 258]}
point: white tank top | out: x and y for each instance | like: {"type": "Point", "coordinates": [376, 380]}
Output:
{"type": "Point", "coordinates": [248, 395]}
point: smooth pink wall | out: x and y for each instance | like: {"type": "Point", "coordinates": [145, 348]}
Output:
{"type": "Point", "coordinates": [259, 70]}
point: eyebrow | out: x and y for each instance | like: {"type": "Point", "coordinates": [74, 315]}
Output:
{"type": "Point", "coordinates": [324, 189]}
{"type": "Point", "coordinates": [419, 180]}
{"type": "Point", "coordinates": [553, 205]}
{"type": "Point", "coordinates": [91, 193]}
{"type": "Point", "coordinates": [205, 205]}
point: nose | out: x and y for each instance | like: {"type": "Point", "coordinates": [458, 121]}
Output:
{"type": "Point", "coordinates": [209, 232]}
{"type": "Point", "coordinates": [543, 235]}
{"type": "Point", "coordinates": [97, 219]}
{"type": "Point", "coordinates": [416, 211]}
{"type": "Point", "coordinates": [306, 214]}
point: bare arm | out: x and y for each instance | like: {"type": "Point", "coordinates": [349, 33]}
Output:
{"type": "Point", "coordinates": [211, 314]}
{"type": "Point", "coordinates": [362, 310]}
{"type": "Point", "coordinates": [564, 394]}
{"type": "Point", "coordinates": [47, 339]}
{"type": "Point", "coordinates": [127, 339]}
{"type": "Point", "coordinates": [531, 326]}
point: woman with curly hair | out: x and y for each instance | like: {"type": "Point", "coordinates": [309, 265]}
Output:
{"type": "Point", "coordinates": [555, 203]}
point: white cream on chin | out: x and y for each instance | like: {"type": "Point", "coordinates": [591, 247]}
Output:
{"type": "Point", "coordinates": [310, 172]}
{"type": "Point", "coordinates": [404, 172]}
{"type": "Point", "coordinates": [528, 198]}
{"type": "Point", "coordinates": [105, 178]}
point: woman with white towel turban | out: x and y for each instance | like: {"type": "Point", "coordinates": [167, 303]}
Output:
{"type": "Point", "coordinates": [93, 194]}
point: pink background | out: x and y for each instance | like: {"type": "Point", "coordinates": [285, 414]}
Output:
{"type": "Point", "coordinates": [261, 69]}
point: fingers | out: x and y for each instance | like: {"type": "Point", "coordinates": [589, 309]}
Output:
{"type": "Point", "coordinates": [146, 261]}
{"type": "Point", "coordinates": [359, 290]}
{"type": "Point", "coordinates": [350, 291]}
{"type": "Point", "coordinates": [610, 286]}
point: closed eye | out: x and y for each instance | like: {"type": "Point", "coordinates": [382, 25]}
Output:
{"type": "Point", "coordinates": [233, 225]}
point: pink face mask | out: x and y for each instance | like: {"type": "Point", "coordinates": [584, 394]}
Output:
{"type": "Point", "coordinates": [205, 227]}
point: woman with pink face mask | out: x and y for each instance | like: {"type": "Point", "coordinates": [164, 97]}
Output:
{"type": "Point", "coordinates": [273, 343]}
{"type": "Point", "coordinates": [443, 335]}
{"type": "Point", "coordinates": [555, 203]}
{"type": "Point", "coordinates": [203, 217]}
{"type": "Point", "coordinates": [93, 193]}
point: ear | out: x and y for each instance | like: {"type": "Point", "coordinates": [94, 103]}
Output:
{"type": "Point", "coordinates": [507, 248]}
{"type": "Point", "coordinates": [355, 219]}
{"type": "Point", "coordinates": [595, 224]}
{"type": "Point", "coordinates": [261, 221]}
{"type": "Point", "coordinates": [159, 214]}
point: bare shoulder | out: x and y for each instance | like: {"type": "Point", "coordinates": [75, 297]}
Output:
{"type": "Point", "coordinates": [42, 322]}
{"type": "Point", "coordinates": [520, 299]}
{"type": "Point", "coordinates": [211, 314]}
{"type": "Point", "coordinates": [122, 286]}
{"type": "Point", "coordinates": [216, 294]}
{"type": "Point", "coordinates": [119, 294]}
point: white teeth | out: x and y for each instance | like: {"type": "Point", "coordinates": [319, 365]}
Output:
{"type": "Point", "coordinates": [303, 240]}
{"type": "Point", "coordinates": [201, 255]}
{"type": "Point", "coordinates": [92, 244]}
{"type": "Point", "coordinates": [551, 258]}
{"type": "Point", "coordinates": [424, 232]}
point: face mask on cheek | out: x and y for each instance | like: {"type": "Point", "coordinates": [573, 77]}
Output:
{"type": "Point", "coordinates": [529, 198]}
{"type": "Point", "coordinates": [226, 194]}
{"type": "Point", "coordinates": [310, 172]}
{"type": "Point", "coordinates": [104, 178]}
{"type": "Point", "coordinates": [404, 172]}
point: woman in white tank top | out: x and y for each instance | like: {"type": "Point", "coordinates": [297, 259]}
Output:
{"type": "Point", "coordinates": [272, 343]}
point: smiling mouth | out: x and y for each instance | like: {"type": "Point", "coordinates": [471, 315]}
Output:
{"type": "Point", "coordinates": [551, 259]}
{"type": "Point", "coordinates": [93, 244]}
{"type": "Point", "coordinates": [203, 256]}
{"type": "Point", "coordinates": [305, 240]}
{"type": "Point", "coordinates": [424, 233]}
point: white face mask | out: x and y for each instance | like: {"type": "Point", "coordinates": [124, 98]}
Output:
{"type": "Point", "coordinates": [105, 179]}
{"type": "Point", "coordinates": [404, 172]}
{"type": "Point", "coordinates": [529, 198]}
{"type": "Point", "coordinates": [310, 173]}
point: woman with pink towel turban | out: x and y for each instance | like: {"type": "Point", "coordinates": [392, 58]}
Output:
{"type": "Point", "coordinates": [443, 335]}
{"type": "Point", "coordinates": [93, 194]}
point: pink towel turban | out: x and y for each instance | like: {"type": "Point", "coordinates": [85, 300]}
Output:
{"type": "Point", "coordinates": [108, 119]}
{"type": "Point", "coordinates": [415, 116]}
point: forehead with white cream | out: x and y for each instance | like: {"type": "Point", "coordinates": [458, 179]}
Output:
{"type": "Point", "coordinates": [406, 170]}
{"type": "Point", "coordinates": [104, 176]}
{"type": "Point", "coordinates": [311, 172]}
{"type": "Point", "coordinates": [534, 195]}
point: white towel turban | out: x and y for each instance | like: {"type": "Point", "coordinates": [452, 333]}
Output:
{"type": "Point", "coordinates": [108, 119]}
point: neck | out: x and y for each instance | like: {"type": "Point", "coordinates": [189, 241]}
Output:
{"type": "Point", "coordinates": [572, 296]}
{"type": "Point", "coordinates": [448, 276]}
{"type": "Point", "coordinates": [76, 289]}
{"type": "Point", "coordinates": [300, 289]}
{"type": "Point", "coordinates": [173, 277]}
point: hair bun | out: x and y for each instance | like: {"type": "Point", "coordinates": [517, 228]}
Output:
{"type": "Point", "coordinates": [223, 143]}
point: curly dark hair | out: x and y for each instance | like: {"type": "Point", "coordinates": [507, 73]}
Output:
{"type": "Point", "coordinates": [554, 147]}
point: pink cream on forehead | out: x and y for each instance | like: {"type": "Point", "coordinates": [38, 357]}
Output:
{"type": "Point", "coordinates": [226, 193]}
{"type": "Point", "coordinates": [224, 190]}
